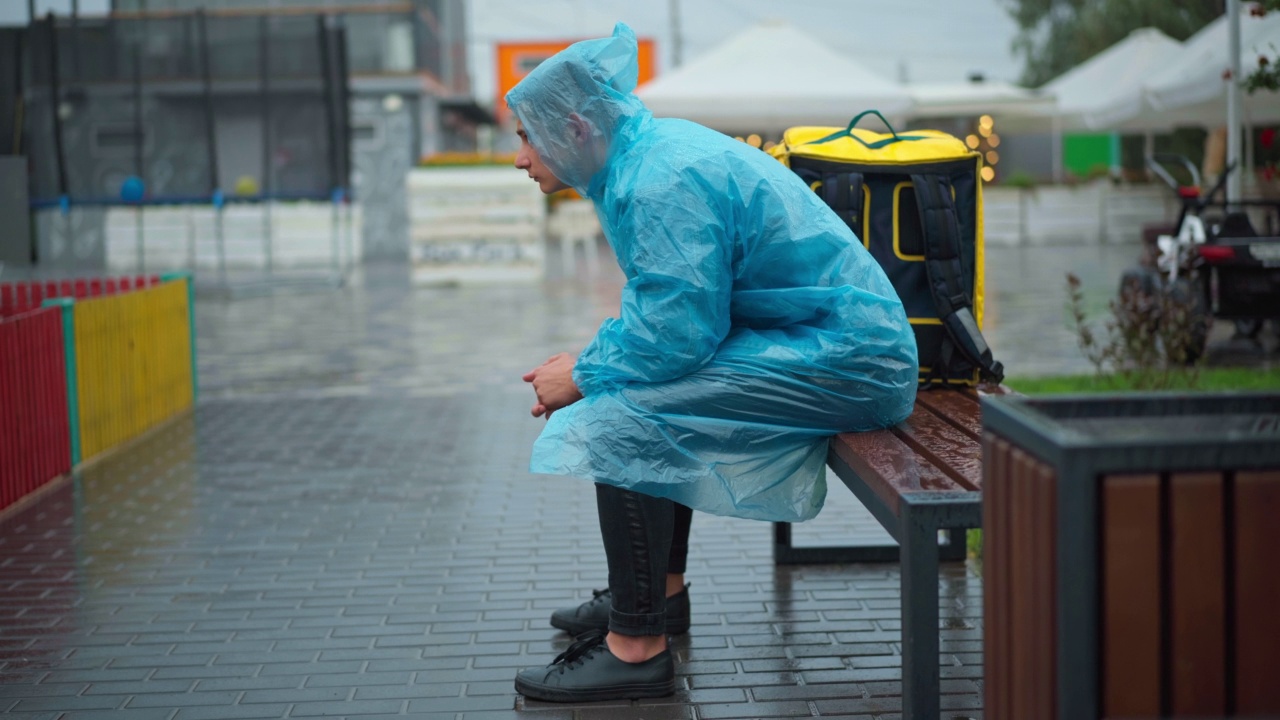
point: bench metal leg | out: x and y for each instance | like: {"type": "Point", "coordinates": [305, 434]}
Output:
{"type": "Point", "coordinates": [784, 553]}
{"type": "Point", "coordinates": [920, 643]}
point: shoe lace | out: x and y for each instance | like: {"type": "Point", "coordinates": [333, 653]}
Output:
{"type": "Point", "coordinates": [596, 595]}
{"type": "Point", "coordinates": [580, 651]}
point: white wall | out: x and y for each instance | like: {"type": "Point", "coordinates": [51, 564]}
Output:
{"type": "Point", "coordinates": [1079, 215]}
{"type": "Point", "coordinates": [301, 237]}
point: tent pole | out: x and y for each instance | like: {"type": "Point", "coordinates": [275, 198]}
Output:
{"type": "Point", "coordinates": [1233, 102]}
{"type": "Point", "coordinates": [1057, 149]}
{"type": "Point", "coordinates": [677, 42]}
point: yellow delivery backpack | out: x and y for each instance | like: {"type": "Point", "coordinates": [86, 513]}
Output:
{"type": "Point", "coordinates": [915, 201]}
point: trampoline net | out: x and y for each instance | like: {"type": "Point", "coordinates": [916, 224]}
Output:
{"type": "Point", "coordinates": [252, 105]}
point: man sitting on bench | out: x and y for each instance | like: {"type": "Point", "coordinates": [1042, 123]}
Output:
{"type": "Point", "coordinates": [753, 327]}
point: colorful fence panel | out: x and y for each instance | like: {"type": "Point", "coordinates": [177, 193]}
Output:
{"type": "Point", "coordinates": [26, 295]}
{"type": "Point", "coordinates": [133, 363]}
{"type": "Point", "coordinates": [34, 427]}
{"type": "Point", "coordinates": [106, 360]}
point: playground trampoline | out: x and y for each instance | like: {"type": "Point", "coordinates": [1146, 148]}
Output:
{"type": "Point", "coordinates": [212, 142]}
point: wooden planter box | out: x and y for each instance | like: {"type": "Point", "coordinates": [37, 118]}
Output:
{"type": "Point", "coordinates": [1128, 565]}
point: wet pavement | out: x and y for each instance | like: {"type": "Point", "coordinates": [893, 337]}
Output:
{"type": "Point", "coordinates": [345, 527]}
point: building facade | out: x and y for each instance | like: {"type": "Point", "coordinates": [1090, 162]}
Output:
{"type": "Point", "coordinates": [243, 98]}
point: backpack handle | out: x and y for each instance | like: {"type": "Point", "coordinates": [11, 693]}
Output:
{"type": "Point", "coordinates": [848, 132]}
{"type": "Point", "coordinates": [864, 113]}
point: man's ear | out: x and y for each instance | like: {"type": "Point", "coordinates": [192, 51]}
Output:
{"type": "Point", "coordinates": [580, 127]}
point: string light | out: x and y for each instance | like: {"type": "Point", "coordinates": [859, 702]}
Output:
{"type": "Point", "coordinates": [985, 143]}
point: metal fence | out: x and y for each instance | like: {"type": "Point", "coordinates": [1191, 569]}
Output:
{"type": "Point", "coordinates": [186, 107]}
{"type": "Point", "coordinates": [195, 109]}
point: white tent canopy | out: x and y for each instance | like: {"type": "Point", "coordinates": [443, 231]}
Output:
{"type": "Point", "coordinates": [1191, 87]}
{"type": "Point", "coordinates": [1001, 99]}
{"type": "Point", "coordinates": [1106, 89]}
{"type": "Point", "coordinates": [770, 78]}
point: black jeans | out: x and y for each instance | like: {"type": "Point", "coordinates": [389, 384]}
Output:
{"type": "Point", "coordinates": [644, 539]}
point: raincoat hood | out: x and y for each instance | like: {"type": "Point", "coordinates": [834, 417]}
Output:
{"type": "Point", "coordinates": [579, 109]}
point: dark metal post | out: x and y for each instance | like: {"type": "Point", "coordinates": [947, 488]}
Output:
{"type": "Point", "coordinates": [344, 105]}
{"type": "Point", "coordinates": [137, 114]}
{"type": "Point", "coordinates": [344, 128]}
{"type": "Point", "coordinates": [264, 61]}
{"type": "Point", "coordinates": [113, 51]}
{"type": "Point", "coordinates": [1078, 692]}
{"type": "Point", "coordinates": [326, 77]}
{"type": "Point", "coordinates": [19, 91]}
{"type": "Point", "coordinates": [206, 80]}
{"type": "Point", "coordinates": [75, 42]}
{"type": "Point", "coordinates": [920, 645]}
{"type": "Point", "coordinates": [138, 160]}
{"type": "Point", "coordinates": [332, 148]}
{"type": "Point", "coordinates": [55, 100]}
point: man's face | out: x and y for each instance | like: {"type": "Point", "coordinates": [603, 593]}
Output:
{"type": "Point", "coordinates": [529, 161]}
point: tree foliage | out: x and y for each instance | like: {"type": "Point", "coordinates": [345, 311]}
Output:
{"type": "Point", "coordinates": [1056, 35]}
{"type": "Point", "coordinates": [1266, 76]}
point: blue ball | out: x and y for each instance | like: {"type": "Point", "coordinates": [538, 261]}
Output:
{"type": "Point", "coordinates": [132, 189]}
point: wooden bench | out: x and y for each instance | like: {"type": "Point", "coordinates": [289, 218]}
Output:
{"type": "Point", "coordinates": [917, 478]}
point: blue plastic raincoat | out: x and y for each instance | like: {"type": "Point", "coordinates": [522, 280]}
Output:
{"type": "Point", "coordinates": [753, 324]}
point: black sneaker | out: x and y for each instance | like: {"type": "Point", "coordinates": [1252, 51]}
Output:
{"type": "Point", "coordinates": [587, 672]}
{"type": "Point", "coordinates": [594, 614]}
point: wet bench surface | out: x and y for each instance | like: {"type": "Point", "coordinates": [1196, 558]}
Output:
{"type": "Point", "coordinates": [916, 478]}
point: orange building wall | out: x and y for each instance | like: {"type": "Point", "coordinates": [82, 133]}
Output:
{"type": "Point", "coordinates": [515, 60]}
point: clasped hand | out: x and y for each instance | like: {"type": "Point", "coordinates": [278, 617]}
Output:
{"type": "Point", "coordinates": [553, 384]}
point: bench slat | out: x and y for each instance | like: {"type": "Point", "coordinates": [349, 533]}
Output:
{"type": "Point", "coordinates": [955, 452]}
{"type": "Point", "coordinates": [960, 408]}
{"type": "Point", "coordinates": [890, 467]}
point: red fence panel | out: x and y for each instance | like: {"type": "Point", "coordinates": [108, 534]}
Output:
{"type": "Point", "coordinates": [26, 295]}
{"type": "Point", "coordinates": [35, 441]}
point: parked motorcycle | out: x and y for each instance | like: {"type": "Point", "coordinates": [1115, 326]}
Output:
{"type": "Point", "coordinates": [1215, 266]}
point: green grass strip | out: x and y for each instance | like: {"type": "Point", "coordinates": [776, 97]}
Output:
{"type": "Point", "coordinates": [1207, 380]}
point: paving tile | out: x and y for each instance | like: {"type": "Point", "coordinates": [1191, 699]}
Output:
{"type": "Point", "coordinates": [754, 710]}
{"type": "Point", "coordinates": [139, 688]}
{"type": "Point", "coordinates": [525, 714]}
{"type": "Point", "coordinates": [638, 712]}
{"type": "Point", "coordinates": [462, 704]}
{"type": "Point", "coordinates": [127, 714]}
{"type": "Point", "coordinates": [234, 712]}
{"type": "Point", "coordinates": [177, 700]}
{"type": "Point", "coordinates": [312, 668]}
{"type": "Point", "coordinates": [806, 692]}
{"type": "Point", "coordinates": [743, 680]}
{"type": "Point", "coordinates": [408, 692]}
{"type": "Point", "coordinates": [348, 708]}
{"type": "Point", "coordinates": [274, 682]}
{"type": "Point", "coordinates": [71, 702]}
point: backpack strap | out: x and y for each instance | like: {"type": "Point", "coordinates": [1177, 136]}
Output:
{"type": "Point", "coordinates": [941, 226]}
{"type": "Point", "coordinates": [842, 192]}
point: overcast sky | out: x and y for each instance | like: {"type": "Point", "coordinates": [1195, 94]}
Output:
{"type": "Point", "coordinates": [919, 40]}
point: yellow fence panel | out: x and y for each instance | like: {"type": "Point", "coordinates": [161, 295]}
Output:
{"type": "Point", "coordinates": [133, 362]}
